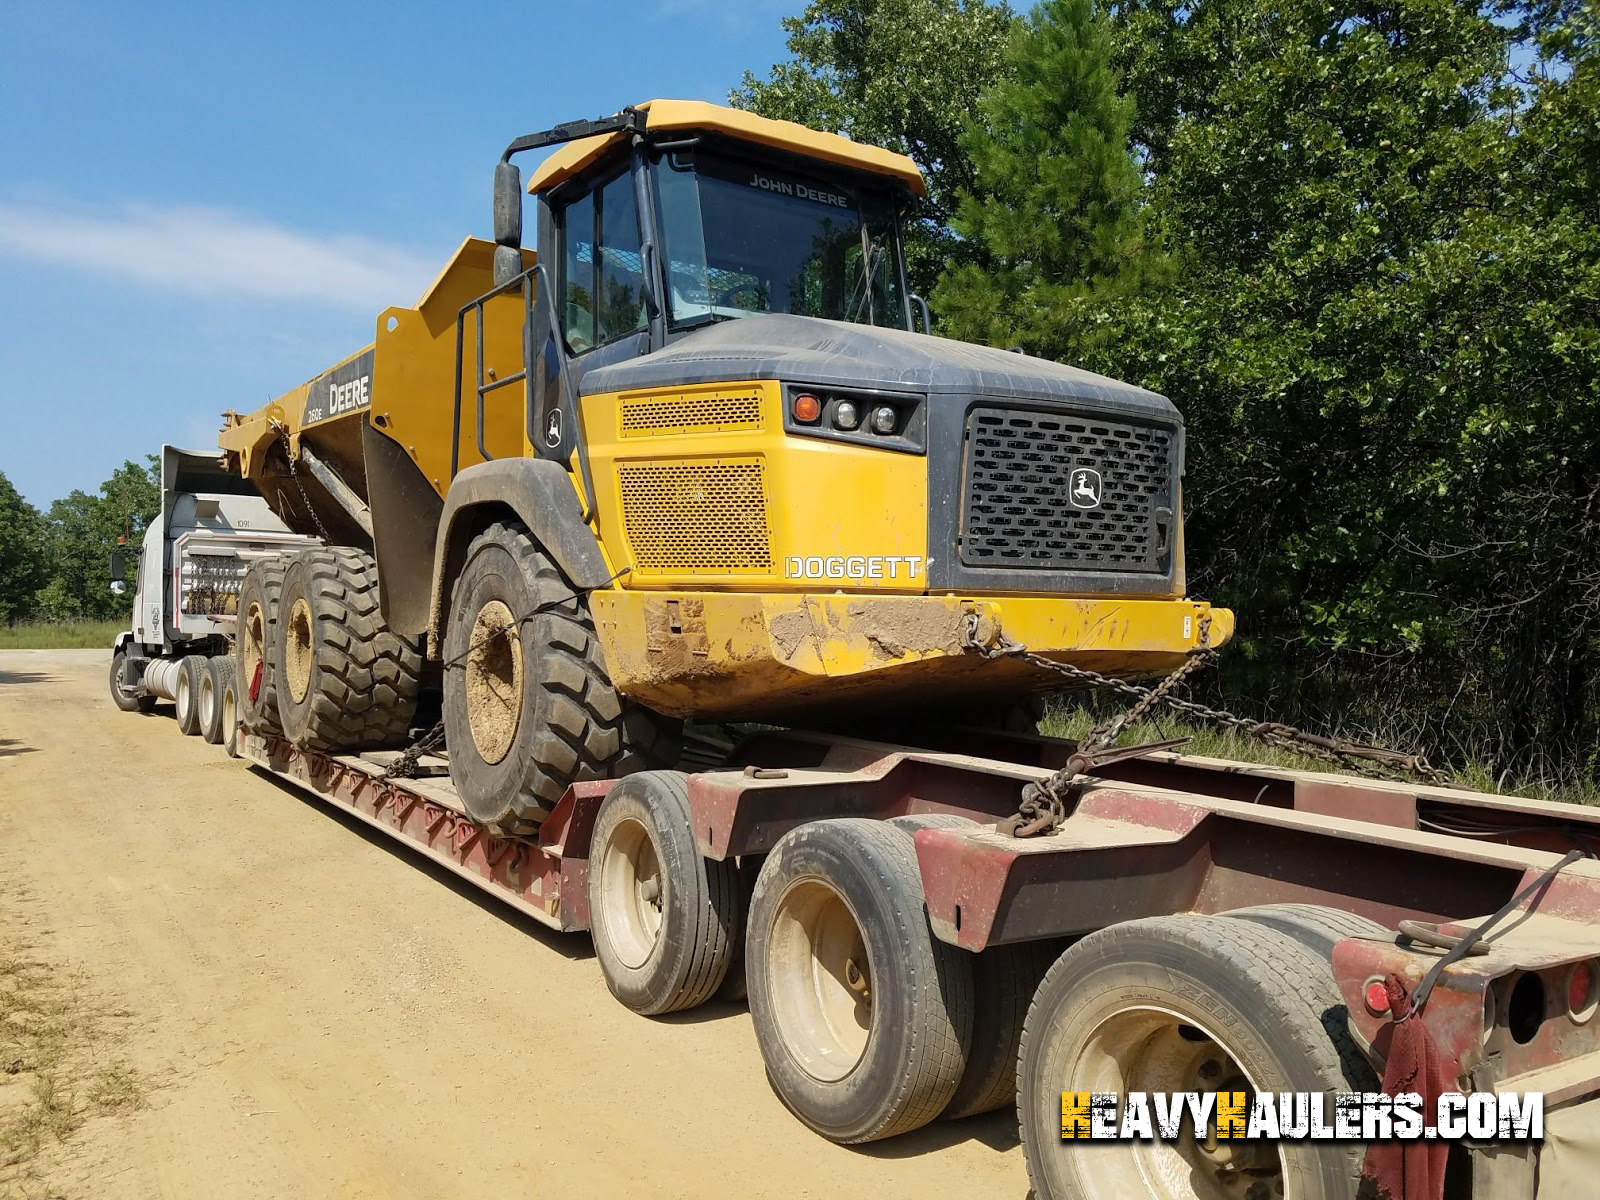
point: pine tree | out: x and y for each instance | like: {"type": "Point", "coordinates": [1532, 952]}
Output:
{"type": "Point", "coordinates": [1054, 223]}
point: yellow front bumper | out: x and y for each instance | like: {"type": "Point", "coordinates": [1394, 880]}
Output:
{"type": "Point", "coordinates": [729, 656]}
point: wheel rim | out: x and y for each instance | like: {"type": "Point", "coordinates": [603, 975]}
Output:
{"type": "Point", "coordinates": [493, 681]}
{"type": "Point", "coordinates": [298, 650]}
{"type": "Point", "coordinates": [252, 644]}
{"type": "Point", "coordinates": [819, 977]}
{"type": "Point", "coordinates": [182, 696]}
{"type": "Point", "coordinates": [1150, 1049]}
{"type": "Point", "coordinates": [633, 890]}
{"type": "Point", "coordinates": [230, 712]}
{"type": "Point", "coordinates": [208, 699]}
{"type": "Point", "coordinates": [117, 667]}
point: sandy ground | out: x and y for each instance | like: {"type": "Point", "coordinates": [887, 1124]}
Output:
{"type": "Point", "coordinates": [317, 1014]}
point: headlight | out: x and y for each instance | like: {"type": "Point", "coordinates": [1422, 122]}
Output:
{"type": "Point", "coordinates": [882, 420]}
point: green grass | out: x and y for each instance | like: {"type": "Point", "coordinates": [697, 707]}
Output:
{"type": "Point", "coordinates": [61, 635]}
{"type": "Point", "coordinates": [1069, 719]}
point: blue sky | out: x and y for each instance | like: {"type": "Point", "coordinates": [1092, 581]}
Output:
{"type": "Point", "coordinates": [203, 205]}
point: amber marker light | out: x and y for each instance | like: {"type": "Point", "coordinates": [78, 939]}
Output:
{"type": "Point", "coordinates": [807, 408]}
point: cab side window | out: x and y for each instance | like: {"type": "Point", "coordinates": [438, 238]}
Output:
{"type": "Point", "coordinates": [603, 271]}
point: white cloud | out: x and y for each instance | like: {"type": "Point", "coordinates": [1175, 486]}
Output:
{"type": "Point", "coordinates": [215, 252]}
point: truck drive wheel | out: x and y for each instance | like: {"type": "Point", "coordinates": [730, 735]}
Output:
{"type": "Point", "coordinates": [528, 707]}
{"type": "Point", "coordinates": [188, 694]}
{"type": "Point", "coordinates": [1185, 1004]}
{"type": "Point", "coordinates": [663, 918]}
{"type": "Point", "coordinates": [862, 1015]}
{"type": "Point", "coordinates": [124, 699]}
{"type": "Point", "coordinates": [214, 677]}
{"type": "Point", "coordinates": [344, 681]}
{"type": "Point", "coordinates": [259, 592]}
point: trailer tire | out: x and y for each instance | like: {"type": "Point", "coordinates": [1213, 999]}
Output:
{"type": "Point", "coordinates": [529, 709]}
{"type": "Point", "coordinates": [1185, 1003]}
{"type": "Point", "coordinates": [120, 696]}
{"type": "Point", "coordinates": [862, 1015]}
{"type": "Point", "coordinates": [1316, 927]}
{"type": "Point", "coordinates": [230, 715]}
{"type": "Point", "coordinates": [344, 680]}
{"type": "Point", "coordinates": [187, 699]}
{"type": "Point", "coordinates": [1004, 979]}
{"type": "Point", "coordinates": [254, 648]}
{"type": "Point", "coordinates": [663, 917]}
{"type": "Point", "coordinates": [213, 677]}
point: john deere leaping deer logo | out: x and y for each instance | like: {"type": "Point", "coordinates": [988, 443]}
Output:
{"type": "Point", "coordinates": [1083, 489]}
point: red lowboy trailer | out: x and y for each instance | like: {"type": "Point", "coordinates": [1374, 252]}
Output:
{"type": "Point", "coordinates": [1192, 925]}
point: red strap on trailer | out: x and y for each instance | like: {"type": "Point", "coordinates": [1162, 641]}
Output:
{"type": "Point", "coordinates": [255, 683]}
{"type": "Point", "coordinates": [1410, 1170]}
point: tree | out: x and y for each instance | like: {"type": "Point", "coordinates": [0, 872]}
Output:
{"type": "Point", "coordinates": [904, 74]}
{"type": "Point", "coordinates": [1053, 216]}
{"type": "Point", "coordinates": [21, 560]}
{"type": "Point", "coordinates": [80, 532]}
{"type": "Point", "coordinates": [1383, 336]}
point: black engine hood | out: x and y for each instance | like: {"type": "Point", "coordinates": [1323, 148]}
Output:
{"type": "Point", "coordinates": [844, 355]}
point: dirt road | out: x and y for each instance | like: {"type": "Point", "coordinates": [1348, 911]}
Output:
{"type": "Point", "coordinates": [315, 1016]}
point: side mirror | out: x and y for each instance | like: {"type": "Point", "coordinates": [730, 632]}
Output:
{"type": "Point", "coordinates": [118, 588]}
{"type": "Point", "coordinates": [119, 567]}
{"type": "Point", "coordinates": [507, 223]}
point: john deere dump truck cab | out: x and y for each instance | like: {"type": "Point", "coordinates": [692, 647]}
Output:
{"type": "Point", "coordinates": [692, 460]}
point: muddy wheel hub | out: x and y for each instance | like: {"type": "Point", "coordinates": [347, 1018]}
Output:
{"type": "Point", "coordinates": [299, 650]}
{"type": "Point", "coordinates": [493, 681]}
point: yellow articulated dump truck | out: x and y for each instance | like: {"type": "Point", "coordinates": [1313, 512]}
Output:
{"type": "Point", "coordinates": [696, 457]}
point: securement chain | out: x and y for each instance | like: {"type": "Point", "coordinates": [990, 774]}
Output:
{"type": "Point", "coordinates": [294, 473]}
{"type": "Point", "coordinates": [1047, 802]}
{"type": "Point", "coordinates": [407, 764]}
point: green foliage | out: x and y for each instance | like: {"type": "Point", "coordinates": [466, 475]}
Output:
{"type": "Point", "coordinates": [21, 557]}
{"type": "Point", "coordinates": [1053, 221]}
{"type": "Point", "coordinates": [62, 561]}
{"type": "Point", "coordinates": [904, 74]}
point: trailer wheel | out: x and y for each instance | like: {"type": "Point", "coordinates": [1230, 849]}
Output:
{"type": "Point", "coordinates": [187, 691]}
{"type": "Point", "coordinates": [120, 695]}
{"type": "Point", "coordinates": [1004, 979]}
{"type": "Point", "coordinates": [1314, 926]}
{"type": "Point", "coordinates": [663, 918]}
{"type": "Point", "coordinates": [345, 681]}
{"type": "Point", "coordinates": [259, 593]}
{"type": "Point", "coordinates": [230, 715]}
{"type": "Point", "coordinates": [862, 1015]}
{"type": "Point", "coordinates": [214, 677]}
{"type": "Point", "coordinates": [528, 707]}
{"type": "Point", "coordinates": [1180, 1004]}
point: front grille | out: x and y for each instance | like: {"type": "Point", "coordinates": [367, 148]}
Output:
{"type": "Point", "coordinates": [699, 518]}
{"type": "Point", "coordinates": [707, 412]}
{"type": "Point", "coordinates": [1016, 510]}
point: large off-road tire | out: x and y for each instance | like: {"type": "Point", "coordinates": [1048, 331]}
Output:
{"type": "Point", "coordinates": [1179, 1004]}
{"type": "Point", "coordinates": [862, 1015]}
{"type": "Point", "coordinates": [214, 677]}
{"type": "Point", "coordinates": [187, 687]}
{"type": "Point", "coordinates": [254, 653]}
{"type": "Point", "coordinates": [344, 680]}
{"type": "Point", "coordinates": [528, 707]}
{"type": "Point", "coordinates": [124, 699]}
{"type": "Point", "coordinates": [663, 918]}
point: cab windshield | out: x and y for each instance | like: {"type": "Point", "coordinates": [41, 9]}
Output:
{"type": "Point", "coordinates": [742, 238]}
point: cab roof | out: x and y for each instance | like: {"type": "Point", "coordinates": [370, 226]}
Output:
{"type": "Point", "coordinates": [663, 115]}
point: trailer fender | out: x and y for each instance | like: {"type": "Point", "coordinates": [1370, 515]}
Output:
{"type": "Point", "coordinates": [536, 492]}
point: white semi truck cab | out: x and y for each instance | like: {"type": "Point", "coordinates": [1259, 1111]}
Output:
{"type": "Point", "coordinates": [185, 581]}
